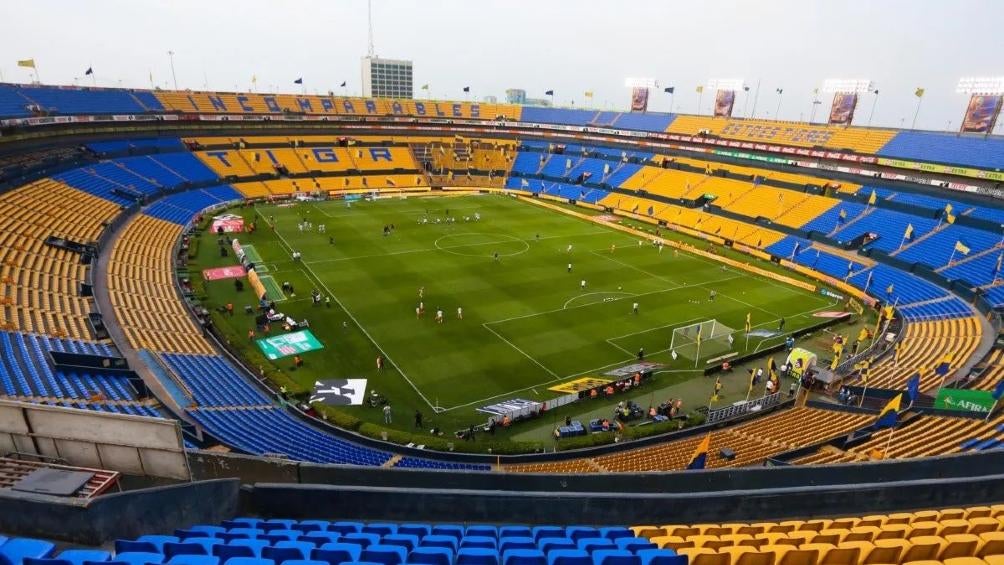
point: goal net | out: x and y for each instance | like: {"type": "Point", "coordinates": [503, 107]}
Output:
{"type": "Point", "coordinates": [702, 340]}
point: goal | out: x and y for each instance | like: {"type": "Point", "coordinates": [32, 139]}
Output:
{"type": "Point", "coordinates": [701, 340]}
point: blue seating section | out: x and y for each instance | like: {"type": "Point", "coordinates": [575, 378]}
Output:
{"type": "Point", "coordinates": [907, 288]}
{"type": "Point", "coordinates": [146, 144]}
{"type": "Point", "coordinates": [641, 121]}
{"type": "Point", "coordinates": [830, 219]}
{"type": "Point", "coordinates": [977, 272]}
{"type": "Point", "coordinates": [255, 541]}
{"type": "Point", "coordinates": [890, 226]}
{"type": "Point", "coordinates": [182, 207]}
{"type": "Point", "coordinates": [971, 150]}
{"type": "Point", "coordinates": [570, 191]}
{"type": "Point", "coordinates": [67, 100]}
{"type": "Point", "coordinates": [936, 250]}
{"type": "Point", "coordinates": [213, 381]}
{"type": "Point", "coordinates": [951, 308]}
{"type": "Point", "coordinates": [916, 199]}
{"type": "Point", "coordinates": [786, 246]}
{"type": "Point", "coordinates": [417, 463]}
{"type": "Point", "coordinates": [12, 104]}
{"type": "Point", "coordinates": [104, 177]}
{"type": "Point", "coordinates": [995, 296]}
{"type": "Point", "coordinates": [262, 431]}
{"type": "Point", "coordinates": [185, 165]}
{"type": "Point", "coordinates": [833, 265]}
{"type": "Point", "coordinates": [25, 370]}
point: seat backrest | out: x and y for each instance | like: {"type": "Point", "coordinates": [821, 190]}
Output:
{"type": "Point", "coordinates": [336, 553]}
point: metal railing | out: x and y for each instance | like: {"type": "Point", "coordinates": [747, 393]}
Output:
{"type": "Point", "coordinates": [743, 408]}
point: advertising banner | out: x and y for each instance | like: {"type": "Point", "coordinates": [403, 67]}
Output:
{"type": "Point", "coordinates": [233, 272]}
{"type": "Point", "coordinates": [842, 110]}
{"type": "Point", "coordinates": [963, 400]}
{"type": "Point", "coordinates": [724, 101]}
{"type": "Point", "coordinates": [981, 114]}
{"type": "Point", "coordinates": [279, 346]}
{"type": "Point", "coordinates": [639, 99]}
{"type": "Point", "coordinates": [577, 385]}
{"type": "Point", "coordinates": [227, 223]}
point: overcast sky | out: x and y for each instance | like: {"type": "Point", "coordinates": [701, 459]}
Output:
{"type": "Point", "coordinates": [570, 46]}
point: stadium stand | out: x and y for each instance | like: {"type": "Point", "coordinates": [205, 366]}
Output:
{"type": "Point", "coordinates": [972, 150]}
{"type": "Point", "coordinates": [786, 133]}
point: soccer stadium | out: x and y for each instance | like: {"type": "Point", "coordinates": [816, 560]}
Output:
{"type": "Point", "coordinates": [369, 322]}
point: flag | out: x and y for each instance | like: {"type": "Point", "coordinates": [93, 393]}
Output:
{"type": "Point", "coordinates": [913, 387]}
{"type": "Point", "coordinates": [344, 82]}
{"type": "Point", "coordinates": [836, 358]}
{"type": "Point", "coordinates": [699, 329]}
{"type": "Point", "coordinates": [890, 414]}
{"type": "Point", "coordinates": [946, 364]}
{"type": "Point", "coordinates": [425, 86]}
{"type": "Point", "coordinates": [961, 247]}
{"type": "Point", "coordinates": [391, 182]}
{"type": "Point", "coordinates": [748, 323]}
{"type": "Point", "coordinates": [772, 370]}
{"type": "Point", "coordinates": [30, 63]}
{"type": "Point", "coordinates": [589, 94]}
{"type": "Point", "coordinates": [873, 198]}
{"type": "Point", "coordinates": [700, 457]}
{"type": "Point", "coordinates": [950, 218]}
{"type": "Point", "coordinates": [467, 89]}
{"type": "Point", "coordinates": [298, 81]}
{"type": "Point", "coordinates": [524, 183]}
{"type": "Point", "coordinates": [919, 93]}
{"type": "Point", "coordinates": [548, 93]}
{"type": "Point", "coordinates": [89, 71]}
{"type": "Point", "coordinates": [890, 288]}
{"type": "Point", "coordinates": [948, 208]}
{"type": "Point", "coordinates": [669, 89]}
{"type": "Point", "coordinates": [843, 214]}
{"type": "Point", "coordinates": [998, 390]}
{"type": "Point", "coordinates": [700, 88]}
{"type": "Point", "coordinates": [908, 234]}
{"type": "Point", "coordinates": [780, 91]}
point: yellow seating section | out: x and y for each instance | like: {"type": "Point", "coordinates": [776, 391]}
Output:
{"type": "Point", "coordinates": [921, 436]}
{"type": "Point", "coordinates": [862, 140]}
{"type": "Point", "coordinates": [924, 345]}
{"type": "Point", "coordinates": [40, 284]}
{"type": "Point", "coordinates": [794, 178]}
{"type": "Point", "coordinates": [461, 157]}
{"type": "Point", "coordinates": [953, 536]}
{"type": "Point", "coordinates": [754, 442]}
{"type": "Point", "coordinates": [366, 183]}
{"type": "Point", "coordinates": [670, 183]}
{"type": "Point", "coordinates": [255, 103]}
{"type": "Point", "coordinates": [140, 282]}
{"type": "Point", "coordinates": [993, 373]}
{"type": "Point", "coordinates": [250, 162]}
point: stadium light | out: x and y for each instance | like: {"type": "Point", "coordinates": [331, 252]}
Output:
{"type": "Point", "coordinates": [641, 82]}
{"type": "Point", "coordinates": [980, 85]}
{"type": "Point", "coordinates": [853, 85]}
{"type": "Point", "coordinates": [725, 84]}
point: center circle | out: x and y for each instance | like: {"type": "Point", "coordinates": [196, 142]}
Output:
{"type": "Point", "coordinates": [483, 248]}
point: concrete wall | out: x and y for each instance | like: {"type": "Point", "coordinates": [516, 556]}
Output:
{"type": "Point", "coordinates": [157, 510]}
{"type": "Point", "coordinates": [136, 445]}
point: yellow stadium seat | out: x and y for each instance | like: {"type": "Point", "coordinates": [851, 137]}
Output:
{"type": "Point", "coordinates": [816, 525]}
{"type": "Point", "coordinates": [960, 545]}
{"type": "Point", "coordinates": [981, 524]}
{"type": "Point", "coordinates": [876, 521]}
{"type": "Point", "coordinates": [772, 538]}
{"type": "Point", "coordinates": [830, 554]}
{"type": "Point", "coordinates": [992, 544]}
{"type": "Point", "coordinates": [894, 531]}
{"type": "Point", "coordinates": [978, 512]}
{"type": "Point", "coordinates": [964, 561]}
{"type": "Point", "coordinates": [704, 556]}
{"type": "Point", "coordinates": [862, 533]}
{"type": "Point", "coordinates": [923, 547]}
{"type": "Point", "coordinates": [925, 516]}
{"type": "Point", "coordinates": [798, 557]}
{"type": "Point", "coordinates": [953, 526]}
{"type": "Point", "coordinates": [898, 518]}
{"type": "Point", "coordinates": [951, 514]}
{"type": "Point", "coordinates": [994, 559]}
{"type": "Point", "coordinates": [647, 531]}
{"type": "Point", "coordinates": [671, 542]}
{"type": "Point", "coordinates": [924, 528]}
{"type": "Point", "coordinates": [682, 531]}
{"type": "Point", "coordinates": [829, 536]}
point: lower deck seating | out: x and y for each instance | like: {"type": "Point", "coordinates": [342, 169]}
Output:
{"type": "Point", "coordinates": [923, 346]}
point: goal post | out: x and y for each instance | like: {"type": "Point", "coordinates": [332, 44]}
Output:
{"type": "Point", "coordinates": [701, 340]}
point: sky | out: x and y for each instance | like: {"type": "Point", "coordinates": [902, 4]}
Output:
{"type": "Point", "coordinates": [570, 46]}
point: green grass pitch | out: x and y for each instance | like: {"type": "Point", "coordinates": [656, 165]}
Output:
{"type": "Point", "coordinates": [527, 321]}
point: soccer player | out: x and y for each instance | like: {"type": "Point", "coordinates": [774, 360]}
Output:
{"type": "Point", "coordinates": [495, 256]}
{"type": "Point", "coordinates": [421, 291]}
{"type": "Point", "coordinates": [634, 308]}
{"type": "Point", "coordinates": [569, 249]}
{"type": "Point", "coordinates": [460, 313]}
{"type": "Point", "coordinates": [418, 312]}
{"type": "Point", "coordinates": [421, 308]}
{"type": "Point", "coordinates": [712, 295]}
{"type": "Point", "coordinates": [569, 267]}
{"type": "Point", "coordinates": [321, 229]}
{"type": "Point", "coordinates": [582, 284]}
{"type": "Point", "coordinates": [439, 315]}
{"type": "Point", "coordinates": [613, 247]}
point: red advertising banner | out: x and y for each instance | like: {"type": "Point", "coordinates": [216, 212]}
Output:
{"type": "Point", "coordinates": [981, 115]}
{"type": "Point", "coordinates": [219, 273]}
{"type": "Point", "coordinates": [842, 110]}
{"type": "Point", "coordinates": [639, 99]}
{"type": "Point", "coordinates": [724, 101]}
{"type": "Point", "coordinates": [227, 223]}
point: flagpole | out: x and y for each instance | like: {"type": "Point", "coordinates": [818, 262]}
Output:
{"type": "Point", "coordinates": [992, 408]}
{"type": "Point", "coordinates": [889, 442]}
{"type": "Point", "coordinates": [950, 259]}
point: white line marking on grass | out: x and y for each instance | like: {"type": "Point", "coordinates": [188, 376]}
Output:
{"type": "Point", "coordinates": [310, 274]}
{"type": "Point", "coordinates": [574, 298]}
{"type": "Point", "coordinates": [524, 353]}
{"type": "Point", "coordinates": [606, 255]}
{"type": "Point", "coordinates": [448, 248]}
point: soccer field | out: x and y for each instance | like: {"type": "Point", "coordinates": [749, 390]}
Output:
{"type": "Point", "coordinates": [528, 322]}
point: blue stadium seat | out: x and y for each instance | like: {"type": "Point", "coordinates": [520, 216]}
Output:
{"type": "Point", "coordinates": [228, 551]}
{"type": "Point", "coordinates": [483, 542]}
{"type": "Point", "coordinates": [523, 542]}
{"type": "Point", "coordinates": [320, 538]}
{"type": "Point", "coordinates": [433, 540]}
{"type": "Point", "coordinates": [311, 526]}
{"type": "Point", "coordinates": [158, 540]}
{"type": "Point", "coordinates": [385, 554]}
{"type": "Point", "coordinates": [336, 553]}
{"type": "Point", "coordinates": [569, 557]}
{"type": "Point", "coordinates": [194, 560]}
{"type": "Point", "coordinates": [615, 557]}
{"type": "Point", "coordinates": [523, 557]}
{"type": "Point", "coordinates": [661, 557]}
{"type": "Point", "coordinates": [136, 558]}
{"type": "Point", "coordinates": [552, 544]}
{"type": "Point", "coordinates": [431, 556]}
{"type": "Point", "coordinates": [288, 550]}
{"type": "Point", "coordinates": [419, 530]}
{"type": "Point", "coordinates": [477, 556]}
{"type": "Point", "coordinates": [249, 561]}
{"type": "Point", "coordinates": [407, 541]}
